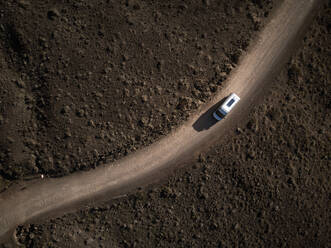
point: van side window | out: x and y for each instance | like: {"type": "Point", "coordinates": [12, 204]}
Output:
{"type": "Point", "coordinates": [230, 102]}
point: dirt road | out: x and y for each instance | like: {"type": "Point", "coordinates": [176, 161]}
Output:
{"type": "Point", "coordinates": [46, 197]}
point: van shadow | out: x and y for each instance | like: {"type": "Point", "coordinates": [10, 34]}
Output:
{"type": "Point", "coordinates": [206, 120]}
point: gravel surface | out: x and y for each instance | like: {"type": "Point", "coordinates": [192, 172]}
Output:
{"type": "Point", "coordinates": [266, 185]}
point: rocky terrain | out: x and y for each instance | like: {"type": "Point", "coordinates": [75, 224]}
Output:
{"type": "Point", "coordinates": [83, 83]}
{"type": "Point", "coordinates": [266, 184]}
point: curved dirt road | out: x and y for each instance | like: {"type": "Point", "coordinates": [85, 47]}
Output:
{"type": "Point", "coordinates": [55, 196]}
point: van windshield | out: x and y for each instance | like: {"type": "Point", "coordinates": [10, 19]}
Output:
{"type": "Point", "coordinates": [230, 102]}
{"type": "Point", "coordinates": [219, 113]}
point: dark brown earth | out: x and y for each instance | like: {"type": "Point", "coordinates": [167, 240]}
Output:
{"type": "Point", "coordinates": [267, 184]}
{"type": "Point", "coordinates": [83, 83]}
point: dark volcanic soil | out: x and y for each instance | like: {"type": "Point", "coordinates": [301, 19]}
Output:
{"type": "Point", "coordinates": [266, 185]}
{"type": "Point", "coordinates": [84, 82]}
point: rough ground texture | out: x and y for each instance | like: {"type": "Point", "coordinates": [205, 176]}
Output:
{"type": "Point", "coordinates": [83, 82]}
{"type": "Point", "coordinates": [266, 185]}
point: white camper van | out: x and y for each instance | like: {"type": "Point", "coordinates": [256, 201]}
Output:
{"type": "Point", "coordinates": [226, 107]}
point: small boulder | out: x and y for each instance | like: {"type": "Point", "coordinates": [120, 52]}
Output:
{"type": "Point", "coordinates": [52, 14]}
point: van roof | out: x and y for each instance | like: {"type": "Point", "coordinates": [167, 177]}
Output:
{"type": "Point", "coordinates": [230, 102]}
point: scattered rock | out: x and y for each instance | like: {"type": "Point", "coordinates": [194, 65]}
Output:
{"type": "Point", "coordinates": [184, 103]}
{"type": "Point", "coordinates": [144, 98]}
{"type": "Point", "coordinates": [158, 89]}
{"type": "Point", "coordinates": [98, 94]}
{"type": "Point", "coordinates": [168, 192]}
{"type": "Point", "coordinates": [228, 68]}
{"type": "Point", "coordinates": [143, 121]}
{"type": "Point", "coordinates": [33, 167]}
{"type": "Point", "coordinates": [290, 169]}
{"type": "Point", "coordinates": [89, 241]}
{"type": "Point", "coordinates": [183, 84]}
{"type": "Point", "coordinates": [91, 123]}
{"type": "Point", "coordinates": [235, 57]}
{"type": "Point", "coordinates": [159, 65]}
{"type": "Point", "coordinates": [80, 113]}
{"type": "Point", "coordinates": [222, 76]}
{"type": "Point", "coordinates": [30, 142]}
{"type": "Point", "coordinates": [291, 181]}
{"type": "Point", "coordinates": [65, 109]}
{"type": "Point", "coordinates": [10, 140]}
{"type": "Point", "coordinates": [239, 130]}
{"type": "Point", "coordinates": [256, 20]}
{"type": "Point", "coordinates": [206, 2]}
{"type": "Point", "coordinates": [251, 154]}
{"type": "Point", "coordinates": [201, 158]}
{"type": "Point", "coordinates": [273, 114]}
{"type": "Point", "coordinates": [20, 83]}
{"type": "Point", "coordinates": [53, 14]}
{"type": "Point", "coordinates": [67, 134]}
{"type": "Point", "coordinates": [24, 4]}
{"type": "Point", "coordinates": [252, 125]}
{"type": "Point", "coordinates": [293, 72]}
{"type": "Point", "coordinates": [204, 195]}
